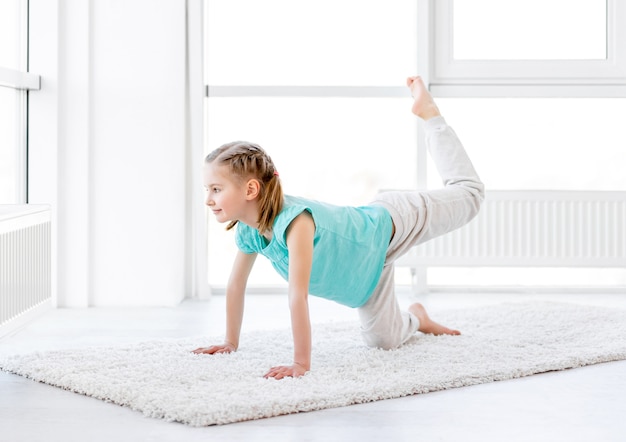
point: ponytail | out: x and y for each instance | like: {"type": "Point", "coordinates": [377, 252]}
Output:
{"type": "Point", "coordinates": [270, 203]}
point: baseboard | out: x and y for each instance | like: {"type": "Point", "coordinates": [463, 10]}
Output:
{"type": "Point", "coordinates": [13, 325]}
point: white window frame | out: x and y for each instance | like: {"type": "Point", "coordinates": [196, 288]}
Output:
{"type": "Point", "coordinates": [21, 80]}
{"type": "Point", "coordinates": [523, 78]}
{"type": "Point", "coordinates": [332, 91]}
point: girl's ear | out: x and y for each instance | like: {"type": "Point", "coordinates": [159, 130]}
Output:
{"type": "Point", "coordinates": [253, 187]}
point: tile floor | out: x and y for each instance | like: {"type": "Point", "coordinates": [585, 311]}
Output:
{"type": "Point", "coordinates": [585, 404]}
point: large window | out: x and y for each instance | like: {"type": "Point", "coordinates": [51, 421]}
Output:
{"type": "Point", "coordinates": [536, 90]}
{"type": "Point", "coordinates": [542, 143]}
{"type": "Point", "coordinates": [544, 48]}
{"type": "Point", "coordinates": [326, 42]}
{"type": "Point", "coordinates": [14, 83]}
{"type": "Point", "coordinates": [321, 88]}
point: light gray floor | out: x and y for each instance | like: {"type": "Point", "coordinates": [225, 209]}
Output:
{"type": "Point", "coordinates": [584, 404]}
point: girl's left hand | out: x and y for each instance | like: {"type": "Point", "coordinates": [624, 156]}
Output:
{"type": "Point", "coordinates": [283, 371]}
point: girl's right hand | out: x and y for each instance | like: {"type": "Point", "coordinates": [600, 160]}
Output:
{"type": "Point", "coordinates": [226, 347]}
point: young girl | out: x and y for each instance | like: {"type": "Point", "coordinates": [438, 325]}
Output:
{"type": "Point", "coordinates": [345, 254]}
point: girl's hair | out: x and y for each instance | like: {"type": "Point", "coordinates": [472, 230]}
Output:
{"type": "Point", "coordinates": [248, 160]}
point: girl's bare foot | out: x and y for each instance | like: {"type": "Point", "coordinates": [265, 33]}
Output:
{"type": "Point", "coordinates": [427, 325]}
{"type": "Point", "coordinates": [424, 106]}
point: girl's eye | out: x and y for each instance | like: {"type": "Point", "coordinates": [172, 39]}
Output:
{"type": "Point", "coordinates": [215, 190]}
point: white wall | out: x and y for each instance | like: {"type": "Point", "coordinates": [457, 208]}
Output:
{"type": "Point", "coordinates": [114, 163]}
{"type": "Point", "coordinates": [137, 148]}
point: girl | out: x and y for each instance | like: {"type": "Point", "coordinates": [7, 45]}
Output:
{"type": "Point", "coordinates": [345, 254]}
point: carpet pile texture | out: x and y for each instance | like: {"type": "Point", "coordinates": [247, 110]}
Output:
{"type": "Point", "coordinates": [163, 379]}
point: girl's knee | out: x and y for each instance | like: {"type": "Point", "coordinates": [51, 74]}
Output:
{"type": "Point", "coordinates": [476, 192]}
{"type": "Point", "coordinates": [480, 193]}
{"type": "Point", "coordinates": [384, 342]}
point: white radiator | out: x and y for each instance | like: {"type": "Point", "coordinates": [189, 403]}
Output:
{"type": "Point", "coordinates": [534, 228]}
{"type": "Point", "coordinates": [25, 264]}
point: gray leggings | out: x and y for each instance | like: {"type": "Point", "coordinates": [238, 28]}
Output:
{"type": "Point", "coordinates": [417, 217]}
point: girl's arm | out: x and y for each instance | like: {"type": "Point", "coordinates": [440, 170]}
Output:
{"type": "Point", "coordinates": [300, 244]}
{"type": "Point", "coordinates": [235, 291]}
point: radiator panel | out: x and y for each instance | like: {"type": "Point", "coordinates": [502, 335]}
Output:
{"type": "Point", "coordinates": [25, 260]}
{"type": "Point", "coordinates": [534, 228]}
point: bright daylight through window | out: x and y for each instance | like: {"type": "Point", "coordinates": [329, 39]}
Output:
{"type": "Point", "coordinates": [527, 30]}
{"type": "Point", "coordinates": [345, 149]}
{"type": "Point", "coordinates": [335, 149]}
{"type": "Point", "coordinates": [12, 102]}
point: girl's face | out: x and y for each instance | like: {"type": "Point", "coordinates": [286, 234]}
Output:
{"type": "Point", "coordinates": [230, 199]}
{"type": "Point", "coordinates": [226, 196]}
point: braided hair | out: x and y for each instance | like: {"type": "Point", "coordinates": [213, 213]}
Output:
{"type": "Point", "coordinates": [248, 160]}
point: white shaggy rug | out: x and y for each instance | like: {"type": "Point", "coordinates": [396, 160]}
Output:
{"type": "Point", "coordinates": [163, 379]}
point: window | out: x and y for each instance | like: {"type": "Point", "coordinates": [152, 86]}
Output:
{"type": "Point", "coordinates": [542, 143]}
{"type": "Point", "coordinates": [14, 83]}
{"type": "Point", "coordinates": [10, 130]}
{"type": "Point", "coordinates": [282, 42]}
{"type": "Point", "coordinates": [515, 30]}
{"type": "Point", "coordinates": [321, 88]}
{"type": "Point", "coordinates": [544, 83]}
{"type": "Point", "coordinates": [558, 58]}
{"type": "Point", "coordinates": [12, 23]}
{"type": "Point", "coordinates": [526, 48]}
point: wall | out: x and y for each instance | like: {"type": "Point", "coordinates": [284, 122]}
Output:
{"type": "Point", "coordinates": [112, 155]}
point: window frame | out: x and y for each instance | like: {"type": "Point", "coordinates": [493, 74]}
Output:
{"type": "Point", "coordinates": [213, 90]}
{"type": "Point", "coordinates": [523, 78]}
{"type": "Point", "coordinates": [19, 80]}
{"type": "Point", "coordinates": [516, 79]}
{"type": "Point", "coordinates": [22, 82]}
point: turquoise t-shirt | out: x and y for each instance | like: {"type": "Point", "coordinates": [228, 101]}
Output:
{"type": "Point", "coordinates": [349, 247]}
